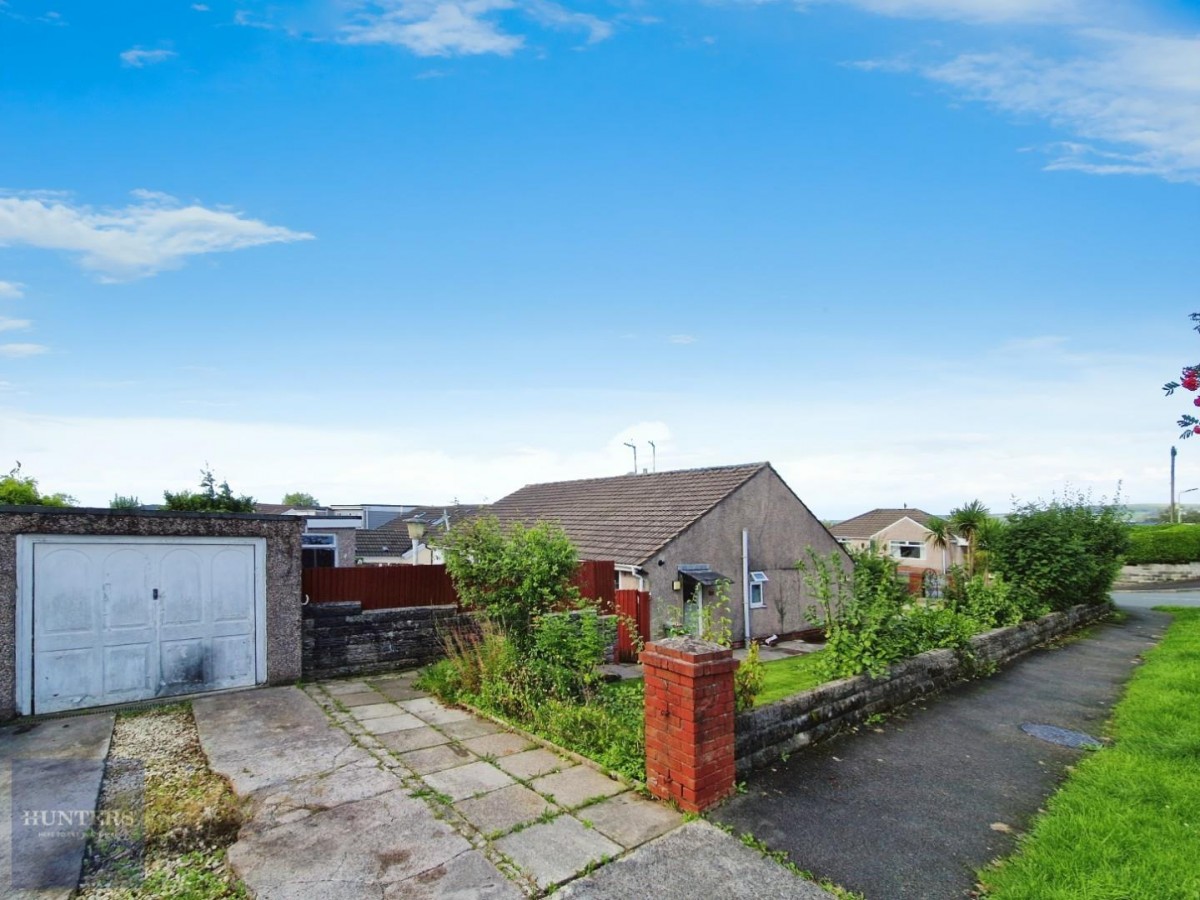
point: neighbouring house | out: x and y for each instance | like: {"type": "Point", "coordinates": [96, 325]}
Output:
{"type": "Point", "coordinates": [688, 535]}
{"type": "Point", "coordinates": [901, 534]}
{"type": "Point", "coordinates": [101, 607]}
{"type": "Point", "coordinates": [393, 544]}
{"type": "Point", "coordinates": [329, 531]}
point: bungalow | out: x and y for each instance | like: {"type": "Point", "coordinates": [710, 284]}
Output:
{"type": "Point", "coordinates": [393, 544]}
{"type": "Point", "coordinates": [900, 533]}
{"type": "Point", "coordinates": [683, 534]}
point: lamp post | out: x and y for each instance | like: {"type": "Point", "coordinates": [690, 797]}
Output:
{"type": "Point", "coordinates": [416, 531]}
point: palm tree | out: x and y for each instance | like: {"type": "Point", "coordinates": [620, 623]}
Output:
{"type": "Point", "coordinates": [968, 520]}
{"type": "Point", "coordinates": [941, 536]}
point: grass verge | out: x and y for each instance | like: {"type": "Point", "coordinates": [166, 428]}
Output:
{"type": "Point", "coordinates": [1127, 823]}
{"type": "Point", "coordinates": [784, 677]}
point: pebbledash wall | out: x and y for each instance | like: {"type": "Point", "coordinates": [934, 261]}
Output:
{"type": "Point", "coordinates": [764, 734]}
{"type": "Point", "coordinates": [341, 639]}
{"type": "Point", "coordinates": [282, 534]}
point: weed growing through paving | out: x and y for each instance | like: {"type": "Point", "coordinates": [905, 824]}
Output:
{"type": "Point", "coordinates": [1125, 823]}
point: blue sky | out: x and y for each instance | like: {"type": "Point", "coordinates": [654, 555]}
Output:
{"type": "Point", "coordinates": [910, 251]}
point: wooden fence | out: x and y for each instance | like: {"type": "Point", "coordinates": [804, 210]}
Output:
{"type": "Point", "coordinates": [634, 609]}
{"type": "Point", "coordinates": [396, 587]}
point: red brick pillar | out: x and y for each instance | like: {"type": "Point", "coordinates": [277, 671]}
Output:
{"type": "Point", "coordinates": [689, 721]}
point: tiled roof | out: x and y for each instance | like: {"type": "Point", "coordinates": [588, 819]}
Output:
{"type": "Point", "coordinates": [873, 522]}
{"type": "Point", "coordinates": [272, 509]}
{"type": "Point", "coordinates": [629, 517]}
{"type": "Point", "coordinates": [392, 539]}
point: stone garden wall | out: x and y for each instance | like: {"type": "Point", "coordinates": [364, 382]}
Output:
{"type": "Point", "coordinates": [765, 733]}
{"type": "Point", "coordinates": [1157, 573]}
{"type": "Point", "coordinates": [341, 639]}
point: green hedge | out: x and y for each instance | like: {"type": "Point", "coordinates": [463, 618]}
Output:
{"type": "Point", "coordinates": [1163, 544]}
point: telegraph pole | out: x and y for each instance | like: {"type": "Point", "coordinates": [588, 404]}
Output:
{"type": "Point", "coordinates": [1174, 452]}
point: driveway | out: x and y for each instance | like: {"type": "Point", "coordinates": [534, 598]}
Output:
{"type": "Point", "coordinates": [1148, 599]}
{"type": "Point", "coordinates": [912, 808]}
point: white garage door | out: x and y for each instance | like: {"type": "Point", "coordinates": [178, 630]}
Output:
{"type": "Point", "coordinates": [117, 620]}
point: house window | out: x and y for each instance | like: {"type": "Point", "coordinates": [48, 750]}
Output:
{"type": "Point", "coordinates": [757, 580]}
{"type": "Point", "coordinates": [908, 549]}
{"type": "Point", "coordinates": [318, 551]}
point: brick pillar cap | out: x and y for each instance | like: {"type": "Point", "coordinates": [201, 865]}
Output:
{"type": "Point", "coordinates": [689, 648]}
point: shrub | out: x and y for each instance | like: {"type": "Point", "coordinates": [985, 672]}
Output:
{"type": "Point", "coordinates": [748, 679]}
{"type": "Point", "coordinates": [991, 601]}
{"type": "Point", "coordinates": [1163, 544]}
{"type": "Point", "coordinates": [1064, 551]}
{"type": "Point", "coordinates": [514, 575]}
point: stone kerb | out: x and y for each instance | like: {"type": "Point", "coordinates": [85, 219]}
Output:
{"type": "Point", "coordinates": [689, 710]}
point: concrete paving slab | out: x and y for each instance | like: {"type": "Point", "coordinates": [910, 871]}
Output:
{"type": "Point", "coordinates": [294, 800]}
{"type": "Point", "coordinates": [696, 860]}
{"type": "Point", "coordinates": [504, 810]}
{"type": "Point", "coordinates": [50, 767]}
{"type": "Point", "coordinates": [422, 705]}
{"type": "Point", "coordinates": [401, 691]}
{"type": "Point", "coordinates": [631, 820]}
{"type": "Point", "coordinates": [554, 851]}
{"type": "Point", "coordinates": [470, 727]}
{"type": "Point", "coordinates": [388, 724]}
{"type": "Point", "coordinates": [577, 785]}
{"type": "Point", "coordinates": [466, 877]}
{"type": "Point", "coordinates": [445, 715]}
{"type": "Point", "coordinates": [353, 850]}
{"type": "Point", "coordinates": [502, 743]}
{"type": "Point", "coordinates": [466, 781]}
{"type": "Point", "coordinates": [375, 710]}
{"type": "Point", "coordinates": [412, 739]}
{"type": "Point", "coordinates": [533, 763]}
{"type": "Point", "coordinates": [340, 688]}
{"type": "Point", "coordinates": [362, 698]}
{"type": "Point", "coordinates": [435, 759]}
{"type": "Point", "coordinates": [258, 739]}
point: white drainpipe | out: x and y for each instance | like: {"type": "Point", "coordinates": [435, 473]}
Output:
{"type": "Point", "coordinates": [746, 586]}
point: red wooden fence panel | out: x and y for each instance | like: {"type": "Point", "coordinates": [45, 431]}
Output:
{"type": "Point", "coordinates": [381, 587]}
{"type": "Point", "coordinates": [394, 587]}
{"type": "Point", "coordinates": [597, 580]}
{"type": "Point", "coordinates": [633, 607]}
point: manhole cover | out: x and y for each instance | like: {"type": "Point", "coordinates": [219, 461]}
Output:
{"type": "Point", "coordinates": [1064, 737]}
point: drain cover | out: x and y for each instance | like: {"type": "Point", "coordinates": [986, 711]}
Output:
{"type": "Point", "coordinates": [1064, 737]}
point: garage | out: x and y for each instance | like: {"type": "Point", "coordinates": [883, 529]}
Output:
{"type": "Point", "coordinates": [115, 619]}
{"type": "Point", "coordinates": [110, 607]}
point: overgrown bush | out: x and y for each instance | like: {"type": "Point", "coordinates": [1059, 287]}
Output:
{"type": "Point", "coordinates": [748, 679]}
{"type": "Point", "coordinates": [991, 601]}
{"type": "Point", "coordinates": [1064, 551]}
{"type": "Point", "coordinates": [1163, 544]}
{"type": "Point", "coordinates": [513, 575]}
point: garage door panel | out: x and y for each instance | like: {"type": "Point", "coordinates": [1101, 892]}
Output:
{"type": "Point", "coordinates": [67, 585]}
{"type": "Point", "coordinates": [232, 660]}
{"type": "Point", "coordinates": [183, 666]}
{"type": "Point", "coordinates": [182, 590]}
{"type": "Point", "coordinates": [67, 679]}
{"type": "Point", "coordinates": [127, 672]}
{"type": "Point", "coordinates": [233, 586]}
{"type": "Point", "coordinates": [126, 591]}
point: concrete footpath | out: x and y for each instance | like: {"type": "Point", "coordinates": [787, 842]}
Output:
{"type": "Point", "coordinates": [50, 774]}
{"type": "Point", "coordinates": [370, 788]}
{"type": "Point", "coordinates": [913, 807]}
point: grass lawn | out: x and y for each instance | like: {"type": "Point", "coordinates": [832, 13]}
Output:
{"type": "Point", "coordinates": [1127, 822]}
{"type": "Point", "coordinates": [784, 677]}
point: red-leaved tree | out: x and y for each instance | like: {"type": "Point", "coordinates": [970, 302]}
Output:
{"type": "Point", "coordinates": [1189, 380]}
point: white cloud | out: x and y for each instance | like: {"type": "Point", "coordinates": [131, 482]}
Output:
{"type": "Point", "coordinates": [200, 7]}
{"type": "Point", "coordinates": [22, 351]}
{"type": "Point", "coordinates": [1129, 100]}
{"type": "Point", "coordinates": [435, 27]}
{"type": "Point", "coordinates": [556, 16]}
{"type": "Point", "coordinates": [137, 58]}
{"type": "Point", "coordinates": [11, 290]}
{"type": "Point", "coordinates": [980, 11]}
{"type": "Point", "coordinates": [7, 324]}
{"type": "Point", "coordinates": [682, 339]}
{"type": "Point", "coordinates": [154, 233]}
